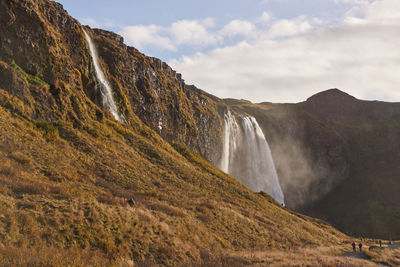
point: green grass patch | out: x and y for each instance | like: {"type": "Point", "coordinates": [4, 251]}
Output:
{"type": "Point", "coordinates": [31, 78]}
{"type": "Point", "coordinates": [50, 129]}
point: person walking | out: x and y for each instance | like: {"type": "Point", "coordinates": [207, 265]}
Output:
{"type": "Point", "coordinates": [354, 246]}
{"type": "Point", "coordinates": [380, 243]}
{"type": "Point", "coordinates": [360, 247]}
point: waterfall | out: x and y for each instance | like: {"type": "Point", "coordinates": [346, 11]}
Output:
{"type": "Point", "coordinates": [105, 88]}
{"type": "Point", "coordinates": [247, 156]}
{"type": "Point", "coordinates": [231, 135]}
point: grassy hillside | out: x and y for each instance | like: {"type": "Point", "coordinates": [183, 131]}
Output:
{"type": "Point", "coordinates": [67, 188]}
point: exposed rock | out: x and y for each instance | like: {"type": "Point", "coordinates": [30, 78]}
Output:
{"type": "Point", "coordinates": [157, 93]}
{"type": "Point", "coordinates": [111, 35]}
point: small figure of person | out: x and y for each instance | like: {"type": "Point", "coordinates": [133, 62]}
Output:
{"type": "Point", "coordinates": [380, 243]}
{"type": "Point", "coordinates": [131, 202]}
{"type": "Point", "coordinates": [360, 247]}
{"type": "Point", "coordinates": [354, 246]}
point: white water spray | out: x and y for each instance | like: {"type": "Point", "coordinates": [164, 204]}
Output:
{"type": "Point", "coordinates": [247, 156]}
{"type": "Point", "coordinates": [105, 88]}
{"type": "Point", "coordinates": [231, 136]}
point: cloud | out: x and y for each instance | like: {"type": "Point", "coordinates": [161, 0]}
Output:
{"type": "Point", "coordinates": [193, 32]}
{"type": "Point", "coordinates": [180, 33]}
{"type": "Point", "coordinates": [265, 18]}
{"type": "Point", "coordinates": [293, 59]}
{"type": "Point", "coordinates": [143, 36]}
{"type": "Point", "coordinates": [376, 12]}
{"type": "Point", "coordinates": [238, 27]}
{"type": "Point", "coordinates": [285, 28]}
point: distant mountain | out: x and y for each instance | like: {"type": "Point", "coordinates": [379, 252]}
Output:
{"type": "Point", "coordinates": [337, 159]}
{"type": "Point", "coordinates": [69, 169]}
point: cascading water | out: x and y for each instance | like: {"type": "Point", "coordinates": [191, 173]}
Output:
{"type": "Point", "coordinates": [105, 88]}
{"type": "Point", "coordinates": [231, 135]}
{"type": "Point", "coordinates": [247, 156]}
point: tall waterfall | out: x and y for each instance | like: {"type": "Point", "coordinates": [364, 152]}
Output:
{"type": "Point", "coordinates": [105, 88]}
{"type": "Point", "coordinates": [231, 136]}
{"type": "Point", "coordinates": [247, 156]}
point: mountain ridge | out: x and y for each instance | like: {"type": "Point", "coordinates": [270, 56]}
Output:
{"type": "Point", "coordinates": [330, 94]}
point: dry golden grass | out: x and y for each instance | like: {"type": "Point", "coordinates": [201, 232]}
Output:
{"type": "Point", "coordinates": [312, 256]}
{"type": "Point", "coordinates": [387, 256]}
{"type": "Point", "coordinates": [50, 256]}
{"type": "Point", "coordinates": [317, 256]}
{"type": "Point", "coordinates": [71, 192]}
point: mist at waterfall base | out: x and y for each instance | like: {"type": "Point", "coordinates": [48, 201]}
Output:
{"type": "Point", "coordinates": [246, 156]}
{"type": "Point", "coordinates": [105, 88]}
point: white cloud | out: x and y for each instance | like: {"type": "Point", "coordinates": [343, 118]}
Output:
{"type": "Point", "coordinates": [360, 56]}
{"type": "Point", "coordinates": [265, 18]}
{"type": "Point", "coordinates": [238, 27]}
{"type": "Point", "coordinates": [179, 33]}
{"type": "Point", "coordinates": [193, 32]}
{"type": "Point", "coordinates": [285, 28]}
{"type": "Point", "coordinates": [208, 22]}
{"type": "Point", "coordinates": [376, 12]}
{"type": "Point", "coordinates": [144, 36]}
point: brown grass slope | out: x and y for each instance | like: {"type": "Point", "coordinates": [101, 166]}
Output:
{"type": "Point", "coordinates": [66, 188]}
{"type": "Point", "coordinates": [337, 159]}
{"type": "Point", "coordinates": [67, 168]}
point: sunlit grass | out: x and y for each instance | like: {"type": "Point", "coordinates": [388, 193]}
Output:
{"type": "Point", "coordinates": [63, 188]}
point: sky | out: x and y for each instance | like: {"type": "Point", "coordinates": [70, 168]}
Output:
{"type": "Point", "coordinates": [263, 50]}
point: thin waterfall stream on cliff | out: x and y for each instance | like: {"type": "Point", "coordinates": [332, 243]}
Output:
{"type": "Point", "coordinates": [105, 88]}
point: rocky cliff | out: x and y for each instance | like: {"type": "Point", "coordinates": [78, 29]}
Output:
{"type": "Point", "coordinates": [337, 158]}
{"type": "Point", "coordinates": [160, 98]}
{"type": "Point", "coordinates": [46, 46]}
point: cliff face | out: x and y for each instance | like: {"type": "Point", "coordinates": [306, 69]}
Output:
{"type": "Point", "coordinates": [47, 47]}
{"type": "Point", "coordinates": [43, 56]}
{"type": "Point", "coordinates": [160, 98]}
{"type": "Point", "coordinates": [366, 203]}
{"type": "Point", "coordinates": [309, 157]}
{"type": "Point", "coordinates": [337, 158]}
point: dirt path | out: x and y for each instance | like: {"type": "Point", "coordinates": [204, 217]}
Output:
{"type": "Point", "coordinates": [394, 246]}
{"type": "Point", "coordinates": [356, 255]}
{"type": "Point", "coordinates": [362, 256]}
